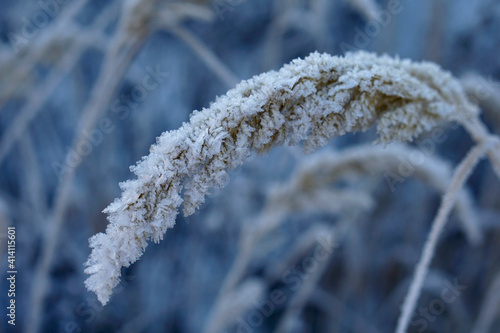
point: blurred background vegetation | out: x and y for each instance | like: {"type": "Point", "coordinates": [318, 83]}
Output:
{"type": "Point", "coordinates": [85, 88]}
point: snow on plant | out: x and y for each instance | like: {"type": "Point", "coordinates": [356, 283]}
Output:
{"type": "Point", "coordinates": [310, 100]}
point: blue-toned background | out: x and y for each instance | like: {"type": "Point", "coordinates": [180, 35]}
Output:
{"type": "Point", "coordinates": [116, 74]}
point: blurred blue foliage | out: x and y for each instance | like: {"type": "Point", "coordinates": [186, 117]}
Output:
{"type": "Point", "coordinates": [173, 287]}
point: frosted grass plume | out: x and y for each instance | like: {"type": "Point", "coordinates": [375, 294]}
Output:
{"type": "Point", "coordinates": [310, 100]}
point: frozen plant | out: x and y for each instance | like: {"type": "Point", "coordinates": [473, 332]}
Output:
{"type": "Point", "coordinates": [138, 20]}
{"type": "Point", "coordinates": [310, 100]}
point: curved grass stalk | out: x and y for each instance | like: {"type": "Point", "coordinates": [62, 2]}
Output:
{"type": "Point", "coordinates": [462, 173]}
{"type": "Point", "coordinates": [310, 100]}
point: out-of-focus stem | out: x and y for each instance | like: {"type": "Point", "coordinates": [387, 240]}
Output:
{"type": "Point", "coordinates": [40, 95]}
{"type": "Point", "coordinates": [116, 62]}
{"type": "Point", "coordinates": [461, 175]}
{"type": "Point", "coordinates": [205, 54]}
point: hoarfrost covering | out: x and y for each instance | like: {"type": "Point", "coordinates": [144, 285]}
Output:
{"type": "Point", "coordinates": [311, 100]}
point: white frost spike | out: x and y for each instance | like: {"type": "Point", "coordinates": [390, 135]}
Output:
{"type": "Point", "coordinates": [312, 99]}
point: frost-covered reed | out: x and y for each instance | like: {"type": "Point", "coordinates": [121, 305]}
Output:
{"type": "Point", "coordinates": [310, 100]}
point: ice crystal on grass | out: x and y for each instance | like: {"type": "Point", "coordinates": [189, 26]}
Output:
{"type": "Point", "coordinates": [310, 100]}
